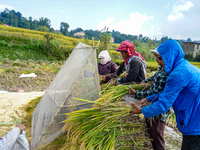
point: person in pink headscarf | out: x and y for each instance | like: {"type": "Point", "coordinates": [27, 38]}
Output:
{"type": "Point", "coordinates": [134, 64]}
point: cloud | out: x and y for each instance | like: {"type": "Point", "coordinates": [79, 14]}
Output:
{"type": "Point", "coordinates": [178, 9]}
{"type": "Point", "coordinates": [134, 25]}
{"type": "Point", "coordinates": [184, 25]}
{"type": "Point", "coordinates": [3, 7]}
{"type": "Point", "coordinates": [106, 23]}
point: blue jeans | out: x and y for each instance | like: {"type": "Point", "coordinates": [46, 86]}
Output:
{"type": "Point", "coordinates": [191, 142]}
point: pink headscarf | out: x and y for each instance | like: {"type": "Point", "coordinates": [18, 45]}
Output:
{"type": "Point", "coordinates": [129, 47]}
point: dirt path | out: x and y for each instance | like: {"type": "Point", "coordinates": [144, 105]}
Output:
{"type": "Point", "coordinates": [10, 112]}
{"type": "Point", "coordinates": [173, 140]}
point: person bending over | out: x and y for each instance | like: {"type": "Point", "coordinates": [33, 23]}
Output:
{"type": "Point", "coordinates": [181, 91]}
{"type": "Point", "coordinates": [156, 127]}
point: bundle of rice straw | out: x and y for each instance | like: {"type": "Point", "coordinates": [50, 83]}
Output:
{"type": "Point", "coordinates": [108, 125]}
{"type": "Point", "coordinates": [112, 94]}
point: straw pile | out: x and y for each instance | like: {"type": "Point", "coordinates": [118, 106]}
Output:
{"type": "Point", "coordinates": [108, 125]}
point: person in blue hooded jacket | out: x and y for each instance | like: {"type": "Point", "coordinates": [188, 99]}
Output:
{"type": "Point", "coordinates": [182, 91]}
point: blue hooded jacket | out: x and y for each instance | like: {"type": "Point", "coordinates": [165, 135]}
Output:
{"type": "Point", "coordinates": [182, 90]}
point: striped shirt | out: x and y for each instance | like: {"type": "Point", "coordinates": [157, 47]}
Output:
{"type": "Point", "coordinates": [158, 84]}
{"type": "Point", "coordinates": [7, 142]}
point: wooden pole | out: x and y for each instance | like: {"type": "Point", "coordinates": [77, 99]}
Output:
{"type": "Point", "coordinates": [93, 42]}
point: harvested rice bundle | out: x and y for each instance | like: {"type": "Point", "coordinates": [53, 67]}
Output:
{"type": "Point", "coordinates": [107, 127]}
{"type": "Point", "coordinates": [116, 93]}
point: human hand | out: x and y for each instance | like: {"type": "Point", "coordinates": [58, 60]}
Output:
{"type": "Point", "coordinates": [118, 81]}
{"type": "Point", "coordinates": [136, 109]}
{"type": "Point", "coordinates": [131, 91]}
{"type": "Point", "coordinates": [21, 127]}
{"type": "Point", "coordinates": [103, 78]}
{"type": "Point", "coordinates": [142, 101]}
{"type": "Point", "coordinates": [143, 83]}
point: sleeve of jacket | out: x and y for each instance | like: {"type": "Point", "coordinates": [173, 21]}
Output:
{"type": "Point", "coordinates": [153, 98]}
{"type": "Point", "coordinates": [165, 99]}
{"type": "Point", "coordinates": [114, 67]}
{"type": "Point", "coordinates": [160, 87]}
{"type": "Point", "coordinates": [112, 72]}
{"type": "Point", "coordinates": [9, 139]}
{"type": "Point", "coordinates": [133, 72]}
{"type": "Point", "coordinates": [120, 69]}
{"type": "Point", "coordinates": [143, 94]}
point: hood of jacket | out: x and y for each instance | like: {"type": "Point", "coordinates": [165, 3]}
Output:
{"type": "Point", "coordinates": [171, 53]}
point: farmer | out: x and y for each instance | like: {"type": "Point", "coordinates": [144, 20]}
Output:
{"type": "Point", "coordinates": [155, 127]}
{"type": "Point", "coordinates": [181, 91]}
{"type": "Point", "coordinates": [106, 67]}
{"type": "Point", "coordinates": [7, 142]}
{"type": "Point", "coordinates": [134, 64]}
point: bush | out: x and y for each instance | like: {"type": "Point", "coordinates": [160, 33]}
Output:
{"type": "Point", "coordinates": [3, 43]}
{"type": "Point", "coordinates": [118, 61]}
{"type": "Point", "coordinates": [6, 61]}
{"type": "Point", "coordinates": [152, 65]}
{"type": "Point", "coordinates": [189, 56]}
{"type": "Point", "coordinates": [10, 70]}
{"type": "Point", "coordinates": [16, 63]}
{"type": "Point", "coordinates": [43, 29]}
{"type": "Point", "coordinates": [197, 58]}
{"type": "Point", "coordinates": [17, 46]}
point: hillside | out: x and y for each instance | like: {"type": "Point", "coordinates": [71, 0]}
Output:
{"type": "Point", "coordinates": [24, 44]}
{"type": "Point", "coordinates": [25, 51]}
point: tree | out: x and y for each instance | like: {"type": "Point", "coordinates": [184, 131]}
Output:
{"type": "Point", "coordinates": [57, 32]}
{"type": "Point", "coordinates": [71, 33]}
{"type": "Point", "coordinates": [34, 24]}
{"type": "Point", "coordinates": [30, 22]}
{"type": "Point", "coordinates": [140, 37]}
{"type": "Point", "coordinates": [44, 22]}
{"type": "Point", "coordinates": [105, 38]}
{"type": "Point", "coordinates": [64, 28]}
{"type": "Point", "coordinates": [163, 39]}
{"type": "Point", "coordinates": [16, 21]}
{"type": "Point", "coordinates": [10, 19]}
{"type": "Point", "coordinates": [136, 43]}
{"type": "Point", "coordinates": [24, 23]}
{"type": "Point", "coordinates": [48, 38]}
{"type": "Point", "coordinates": [189, 40]}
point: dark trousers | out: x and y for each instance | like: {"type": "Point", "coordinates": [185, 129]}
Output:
{"type": "Point", "coordinates": [156, 129]}
{"type": "Point", "coordinates": [191, 142]}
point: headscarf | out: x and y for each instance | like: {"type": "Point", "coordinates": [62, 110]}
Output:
{"type": "Point", "coordinates": [127, 46]}
{"type": "Point", "coordinates": [104, 57]}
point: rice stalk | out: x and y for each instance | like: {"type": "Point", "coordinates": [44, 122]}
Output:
{"type": "Point", "coordinates": [116, 93]}
{"type": "Point", "coordinates": [108, 127]}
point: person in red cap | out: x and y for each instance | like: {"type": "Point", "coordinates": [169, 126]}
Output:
{"type": "Point", "coordinates": [134, 64]}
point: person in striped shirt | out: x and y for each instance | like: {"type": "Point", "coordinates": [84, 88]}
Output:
{"type": "Point", "coordinates": [7, 142]}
